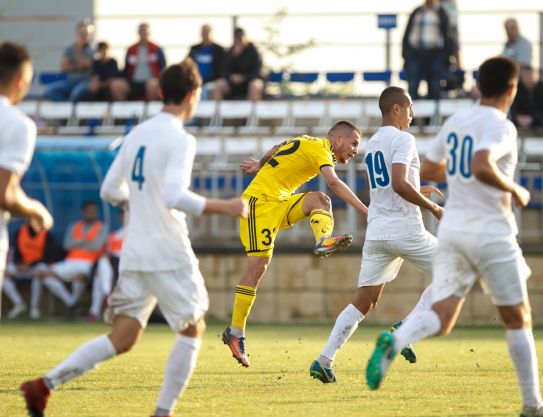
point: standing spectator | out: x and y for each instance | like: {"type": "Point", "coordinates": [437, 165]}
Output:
{"type": "Point", "coordinates": [209, 56]}
{"type": "Point", "coordinates": [76, 62]}
{"type": "Point", "coordinates": [426, 47]}
{"type": "Point", "coordinates": [31, 252]}
{"type": "Point", "coordinates": [527, 109]}
{"type": "Point", "coordinates": [517, 47]}
{"type": "Point", "coordinates": [143, 64]}
{"type": "Point", "coordinates": [241, 71]}
{"type": "Point", "coordinates": [104, 71]}
{"type": "Point", "coordinates": [83, 241]}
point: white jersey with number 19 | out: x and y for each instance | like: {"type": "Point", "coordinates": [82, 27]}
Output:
{"type": "Point", "coordinates": [390, 216]}
{"type": "Point", "coordinates": [472, 206]}
{"type": "Point", "coordinates": [155, 153]}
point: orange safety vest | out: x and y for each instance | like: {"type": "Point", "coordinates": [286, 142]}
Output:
{"type": "Point", "coordinates": [31, 248]}
{"type": "Point", "coordinates": [79, 234]}
{"type": "Point", "coordinates": [114, 244]}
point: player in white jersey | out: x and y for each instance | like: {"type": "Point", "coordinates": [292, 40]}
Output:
{"type": "Point", "coordinates": [395, 228]}
{"type": "Point", "coordinates": [477, 149]}
{"type": "Point", "coordinates": [17, 141]}
{"type": "Point", "coordinates": [151, 176]}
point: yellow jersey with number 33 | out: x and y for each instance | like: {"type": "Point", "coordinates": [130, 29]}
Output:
{"type": "Point", "coordinates": [296, 162]}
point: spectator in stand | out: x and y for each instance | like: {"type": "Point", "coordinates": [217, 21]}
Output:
{"type": "Point", "coordinates": [527, 109]}
{"type": "Point", "coordinates": [426, 47]}
{"type": "Point", "coordinates": [31, 252]}
{"type": "Point", "coordinates": [107, 270]}
{"type": "Point", "coordinates": [209, 56]}
{"type": "Point", "coordinates": [241, 71]}
{"type": "Point", "coordinates": [76, 62]}
{"type": "Point", "coordinates": [104, 71]}
{"type": "Point", "coordinates": [83, 241]}
{"type": "Point", "coordinates": [517, 47]}
{"type": "Point", "coordinates": [143, 64]}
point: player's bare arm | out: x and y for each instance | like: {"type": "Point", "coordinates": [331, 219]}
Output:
{"type": "Point", "coordinates": [252, 165]}
{"type": "Point", "coordinates": [432, 171]}
{"type": "Point", "coordinates": [14, 200]}
{"type": "Point", "coordinates": [342, 190]}
{"type": "Point", "coordinates": [485, 170]}
{"type": "Point", "coordinates": [233, 207]}
{"type": "Point", "coordinates": [408, 192]}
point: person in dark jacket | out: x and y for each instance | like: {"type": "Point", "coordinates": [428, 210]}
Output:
{"type": "Point", "coordinates": [241, 71]}
{"type": "Point", "coordinates": [527, 109]}
{"type": "Point", "coordinates": [426, 47]}
{"type": "Point", "coordinates": [208, 55]}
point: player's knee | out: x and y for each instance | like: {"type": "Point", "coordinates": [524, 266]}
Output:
{"type": "Point", "coordinates": [322, 201]}
{"type": "Point", "coordinates": [124, 345]}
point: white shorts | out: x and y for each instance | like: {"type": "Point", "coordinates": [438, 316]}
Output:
{"type": "Point", "coordinates": [462, 258]}
{"type": "Point", "coordinates": [181, 296]}
{"type": "Point", "coordinates": [382, 259]}
{"type": "Point", "coordinates": [69, 269]}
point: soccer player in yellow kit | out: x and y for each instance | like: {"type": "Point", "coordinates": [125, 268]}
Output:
{"type": "Point", "coordinates": [274, 206]}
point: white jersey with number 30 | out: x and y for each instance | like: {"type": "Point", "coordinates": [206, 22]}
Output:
{"type": "Point", "coordinates": [472, 206]}
{"type": "Point", "coordinates": [390, 216]}
{"type": "Point", "coordinates": [155, 153]}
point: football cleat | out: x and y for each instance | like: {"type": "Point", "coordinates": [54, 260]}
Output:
{"type": "Point", "coordinates": [380, 360]}
{"type": "Point", "coordinates": [332, 244]}
{"type": "Point", "coordinates": [237, 346]}
{"type": "Point", "coordinates": [36, 395]}
{"type": "Point", "coordinates": [532, 412]}
{"type": "Point", "coordinates": [407, 352]}
{"type": "Point", "coordinates": [325, 375]}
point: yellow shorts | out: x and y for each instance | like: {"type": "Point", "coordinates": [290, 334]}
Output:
{"type": "Point", "coordinates": [266, 217]}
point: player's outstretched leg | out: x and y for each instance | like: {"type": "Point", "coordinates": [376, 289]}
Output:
{"type": "Point", "coordinates": [380, 360]}
{"type": "Point", "coordinates": [35, 394]}
{"type": "Point", "coordinates": [407, 352]}
{"type": "Point", "coordinates": [325, 375]}
{"type": "Point", "coordinates": [237, 346]}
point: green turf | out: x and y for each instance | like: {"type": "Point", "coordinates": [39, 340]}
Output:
{"type": "Point", "coordinates": [467, 374]}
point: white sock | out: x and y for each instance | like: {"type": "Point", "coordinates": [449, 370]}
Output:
{"type": "Point", "coordinates": [11, 291]}
{"type": "Point", "coordinates": [97, 298]}
{"type": "Point", "coordinates": [57, 288]}
{"type": "Point", "coordinates": [36, 288]}
{"type": "Point", "coordinates": [179, 368]}
{"type": "Point", "coordinates": [425, 303]}
{"type": "Point", "coordinates": [422, 324]}
{"type": "Point", "coordinates": [104, 275]}
{"type": "Point", "coordinates": [522, 350]}
{"type": "Point", "coordinates": [78, 288]}
{"type": "Point", "coordinates": [346, 324]}
{"type": "Point", "coordinates": [87, 357]}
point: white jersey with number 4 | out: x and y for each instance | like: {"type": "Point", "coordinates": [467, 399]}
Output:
{"type": "Point", "coordinates": [472, 206]}
{"type": "Point", "coordinates": [17, 141]}
{"type": "Point", "coordinates": [155, 153]}
{"type": "Point", "coordinates": [390, 216]}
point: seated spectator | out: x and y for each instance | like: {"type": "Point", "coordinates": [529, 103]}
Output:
{"type": "Point", "coordinates": [107, 270]}
{"type": "Point", "coordinates": [143, 64]}
{"type": "Point", "coordinates": [241, 71]}
{"type": "Point", "coordinates": [209, 56]}
{"type": "Point", "coordinates": [104, 70]}
{"type": "Point", "coordinates": [31, 252]}
{"type": "Point", "coordinates": [76, 62]}
{"type": "Point", "coordinates": [527, 109]}
{"type": "Point", "coordinates": [83, 241]}
{"type": "Point", "coordinates": [517, 47]}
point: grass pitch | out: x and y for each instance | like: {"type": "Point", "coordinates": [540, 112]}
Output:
{"type": "Point", "coordinates": [467, 374]}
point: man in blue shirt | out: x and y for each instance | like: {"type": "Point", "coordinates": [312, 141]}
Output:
{"type": "Point", "coordinates": [208, 55]}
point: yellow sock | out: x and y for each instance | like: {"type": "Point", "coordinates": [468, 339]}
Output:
{"type": "Point", "coordinates": [243, 301]}
{"type": "Point", "coordinates": [322, 223]}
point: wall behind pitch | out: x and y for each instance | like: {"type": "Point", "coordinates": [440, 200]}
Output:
{"type": "Point", "coordinates": [45, 27]}
{"type": "Point", "coordinates": [302, 288]}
